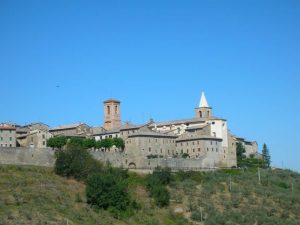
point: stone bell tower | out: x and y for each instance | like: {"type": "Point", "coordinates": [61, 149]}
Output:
{"type": "Point", "coordinates": [203, 111]}
{"type": "Point", "coordinates": [112, 114]}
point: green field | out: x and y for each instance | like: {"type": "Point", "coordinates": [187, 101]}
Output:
{"type": "Point", "coordinates": [35, 195]}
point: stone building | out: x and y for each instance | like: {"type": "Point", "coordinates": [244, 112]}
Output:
{"type": "Point", "coordinates": [7, 135]}
{"type": "Point", "coordinates": [206, 127]}
{"type": "Point", "coordinates": [251, 147]}
{"type": "Point", "coordinates": [72, 130]}
{"type": "Point", "coordinates": [204, 140]}
{"type": "Point", "coordinates": [34, 139]}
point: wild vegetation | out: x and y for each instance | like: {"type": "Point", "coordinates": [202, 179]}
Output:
{"type": "Point", "coordinates": [35, 195]}
{"type": "Point", "coordinates": [81, 190]}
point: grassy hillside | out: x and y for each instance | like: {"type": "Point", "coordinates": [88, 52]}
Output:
{"type": "Point", "coordinates": [35, 195]}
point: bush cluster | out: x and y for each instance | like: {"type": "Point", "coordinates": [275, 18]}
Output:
{"type": "Point", "coordinates": [106, 187]}
{"type": "Point", "coordinates": [156, 185]}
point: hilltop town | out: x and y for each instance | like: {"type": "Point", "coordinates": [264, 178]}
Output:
{"type": "Point", "coordinates": [201, 142]}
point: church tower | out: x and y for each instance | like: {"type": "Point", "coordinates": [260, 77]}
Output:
{"type": "Point", "coordinates": [203, 111]}
{"type": "Point", "coordinates": [112, 114]}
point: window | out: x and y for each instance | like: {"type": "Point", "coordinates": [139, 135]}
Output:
{"type": "Point", "coordinates": [116, 109]}
{"type": "Point", "coordinates": [216, 149]}
{"type": "Point", "coordinates": [44, 143]}
{"type": "Point", "coordinates": [149, 149]}
{"type": "Point", "coordinates": [187, 144]}
{"type": "Point", "coordinates": [193, 150]}
{"type": "Point", "coordinates": [193, 143]}
{"type": "Point", "coordinates": [207, 149]}
{"type": "Point", "coordinates": [187, 150]}
{"type": "Point", "coordinates": [207, 113]}
{"type": "Point", "coordinates": [43, 136]}
{"type": "Point", "coordinates": [200, 114]}
{"type": "Point", "coordinates": [212, 149]}
{"type": "Point", "coordinates": [31, 139]}
{"type": "Point", "coordinates": [10, 138]}
{"type": "Point", "coordinates": [210, 142]}
{"type": "Point", "coordinates": [160, 150]}
{"type": "Point", "coordinates": [1, 138]}
{"type": "Point", "coordinates": [199, 149]}
{"type": "Point", "coordinates": [108, 109]}
{"type": "Point", "coordinates": [213, 123]}
{"type": "Point", "coordinates": [10, 145]}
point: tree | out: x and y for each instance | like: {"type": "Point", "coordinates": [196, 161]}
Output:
{"type": "Point", "coordinates": [57, 142]}
{"type": "Point", "coordinates": [89, 143]}
{"type": "Point", "coordinates": [266, 156]}
{"type": "Point", "coordinates": [106, 191]}
{"type": "Point", "coordinates": [75, 161]}
{"type": "Point", "coordinates": [107, 143]}
{"type": "Point", "coordinates": [240, 150]}
{"type": "Point", "coordinates": [119, 143]}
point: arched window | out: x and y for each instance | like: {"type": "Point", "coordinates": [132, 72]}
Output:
{"type": "Point", "coordinates": [207, 113]}
{"type": "Point", "coordinates": [108, 109]}
{"type": "Point", "coordinates": [116, 109]}
{"type": "Point", "coordinates": [200, 114]}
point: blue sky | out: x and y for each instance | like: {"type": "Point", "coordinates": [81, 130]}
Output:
{"type": "Point", "coordinates": [156, 57]}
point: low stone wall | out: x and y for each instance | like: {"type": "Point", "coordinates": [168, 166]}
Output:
{"type": "Point", "coordinates": [46, 157]}
{"type": "Point", "coordinates": [27, 156]}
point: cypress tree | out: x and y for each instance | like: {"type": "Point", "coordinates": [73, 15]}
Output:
{"type": "Point", "coordinates": [266, 156]}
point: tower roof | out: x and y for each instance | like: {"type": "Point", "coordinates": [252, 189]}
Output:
{"type": "Point", "coordinates": [111, 100]}
{"type": "Point", "coordinates": [203, 102]}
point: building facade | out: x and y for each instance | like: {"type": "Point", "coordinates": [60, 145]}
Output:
{"type": "Point", "coordinates": [7, 135]}
{"type": "Point", "coordinates": [34, 139]}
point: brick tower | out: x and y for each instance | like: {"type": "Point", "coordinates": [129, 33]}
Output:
{"type": "Point", "coordinates": [112, 114]}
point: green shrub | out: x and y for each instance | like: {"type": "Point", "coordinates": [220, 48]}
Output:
{"type": "Point", "coordinates": [196, 215]}
{"type": "Point", "coordinates": [155, 185]}
{"type": "Point", "coordinates": [192, 175]}
{"type": "Point", "coordinates": [106, 191]}
{"type": "Point", "coordinates": [185, 155]}
{"type": "Point", "coordinates": [161, 195]}
{"type": "Point", "coordinates": [76, 162]}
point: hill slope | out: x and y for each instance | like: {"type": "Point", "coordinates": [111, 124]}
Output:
{"type": "Point", "coordinates": [35, 195]}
